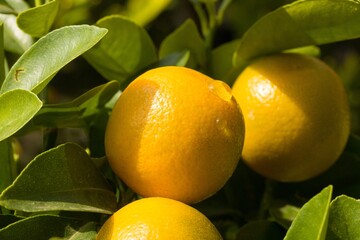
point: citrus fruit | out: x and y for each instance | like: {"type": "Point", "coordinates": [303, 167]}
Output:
{"type": "Point", "coordinates": [296, 116]}
{"type": "Point", "coordinates": [175, 132]}
{"type": "Point", "coordinates": [158, 218]}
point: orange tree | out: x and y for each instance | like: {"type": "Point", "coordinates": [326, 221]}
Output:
{"type": "Point", "coordinates": [64, 64]}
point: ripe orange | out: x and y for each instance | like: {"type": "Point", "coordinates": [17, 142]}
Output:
{"type": "Point", "coordinates": [296, 116]}
{"type": "Point", "coordinates": [158, 218]}
{"type": "Point", "coordinates": [175, 133]}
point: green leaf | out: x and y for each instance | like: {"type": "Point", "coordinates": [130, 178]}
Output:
{"type": "Point", "coordinates": [144, 11]}
{"type": "Point", "coordinates": [2, 54]}
{"type": "Point", "coordinates": [260, 230]}
{"type": "Point", "coordinates": [77, 113]}
{"type": "Point", "coordinates": [185, 38]}
{"type": "Point", "coordinates": [284, 214]}
{"type": "Point", "coordinates": [37, 21]}
{"type": "Point", "coordinates": [302, 23]}
{"type": "Point", "coordinates": [125, 50]}
{"type": "Point", "coordinates": [7, 219]}
{"type": "Point", "coordinates": [15, 39]}
{"type": "Point", "coordinates": [312, 220]}
{"type": "Point", "coordinates": [17, 5]}
{"type": "Point", "coordinates": [85, 232]}
{"type": "Point", "coordinates": [17, 108]}
{"type": "Point", "coordinates": [45, 227]}
{"type": "Point", "coordinates": [221, 66]}
{"type": "Point", "coordinates": [175, 59]}
{"type": "Point", "coordinates": [36, 67]}
{"type": "Point", "coordinates": [344, 219]}
{"type": "Point", "coordinates": [8, 166]}
{"type": "Point", "coordinates": [63, 178]}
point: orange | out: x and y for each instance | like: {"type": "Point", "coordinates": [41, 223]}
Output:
{"type": "Point", "coordinates": [158, 218]}
{"type": "Point", "coordinates": [296, 116]}
{"type": "Point", "coordinates": [175, 133]}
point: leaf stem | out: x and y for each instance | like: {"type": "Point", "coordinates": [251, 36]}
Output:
{"type": "Point", "coordinates": [202, 17]}
{"type": "Point", "coordinates": [267, 199]}
{"type": "Point", "coordinates": [224, 5]}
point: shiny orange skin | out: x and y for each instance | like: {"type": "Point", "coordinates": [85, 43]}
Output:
{"type": "Point", "coordinates": [175, 133]}
{"type": "Point", "coordinates": [296, 115]}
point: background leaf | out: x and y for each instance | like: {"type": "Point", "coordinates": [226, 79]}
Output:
{"type": "Point", "coordinates": [185, 38]}
{"type": "Point", "coordinates": [37, 21]}
{"type": "Point", "coordinates": [221, 62]}
{"type": "Point", "coordinates": [45, 227]}
{"type": "Point", "coordinates": [144, 11]}
{"type": "Point", "coordinates": [7, 219]}
{"type": "Point", "coordinates": [2, 54]}
{"type": "Point", "coordinates": [36, 67]}
{"type": "Point", "coordinates": [15, 39]}
{"type": "Point", "coordinates": [301, 23]}
{"type": "Point", "coordinates": [344, 219]}
{"type": "Point", "coordinates": [8, 167]}
{"type": "Point", "coordinates": [125, 50]}
{"type": "Point", "coordinates": [312, 220]}
{"type": "Point", "coordinates": [17, 108]}
{"type": "Point", "coordinates": [63, 178]}
{"type": "Point", "coordinates": [17, 5]}
{"type": "Point", "coordinates": [260, 230]}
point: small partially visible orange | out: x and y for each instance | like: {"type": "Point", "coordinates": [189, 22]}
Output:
{"type": "Point", "coordinates": [175, 133]}
{"type": "Point", "coordinates": [296, 116]}
{"type": "Point", "coordinates": [158, 219]}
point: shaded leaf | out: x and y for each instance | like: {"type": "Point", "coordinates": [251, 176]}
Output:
{"type": "Point", "coordinates": [221, 66]}
{"type": "Point", "coordinates": [8, 166]}
{"type": "Point", "coordinates": [312, 220]}
{"type": "Point", "coordinates": [185, 38]}
{"type": "Point", "coordinates": [45, 227]}
{"type": "Point", "coordinates": [15, 39]}
{"type": "Point", "coordinates": [17, 108]}
{"type": "Point", "coordinates": [37, 21]}
{"type": "Point", "coordinates": [284, 214]}
{"type": "Point", "coordinates": [125, 50]}
{"type": "Point", "coordinates": [175, 59]}
{"type": "Point", "coordinates": [36, 67]}
{"type": "Point", "coordinates": [2, 54]}
{"type": "Point", "coordinates": [7, 219]}
{"type": "Point", "coordinates": [260, 230]}
{"type": "Point", "coordinates": [344, 219]}
{"type": "Point", "coordinates": [302, 23]}
{"type": "Point", "coordinates": [85, 232]}
{"type": "Point", "coordinates": [77, 113]}
{"type": "Point", "coordinates": [63, 178]}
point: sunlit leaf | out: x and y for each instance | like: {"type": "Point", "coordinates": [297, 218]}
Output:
{"type": "Point", "coordinates": [144, 11]}
{"type": "Point", "coordinates": [17, 5]}
{"type": "Point", "coordinates": [36, 67]}
{"type": "Point", "coordinates": [37, 21]}
{"type": "Point", "coordinates": [125, 50]}
{"type": "Point", "coordinates": [312, 220]}
{"type": "Point", "coordinates": [344, 219]}
{"type": "Point", "coordinates": [63, 178]}
{"type": "Point", "coordinates": [302, 23]}
{"type": "Point", "coordinates": [17, 108]}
